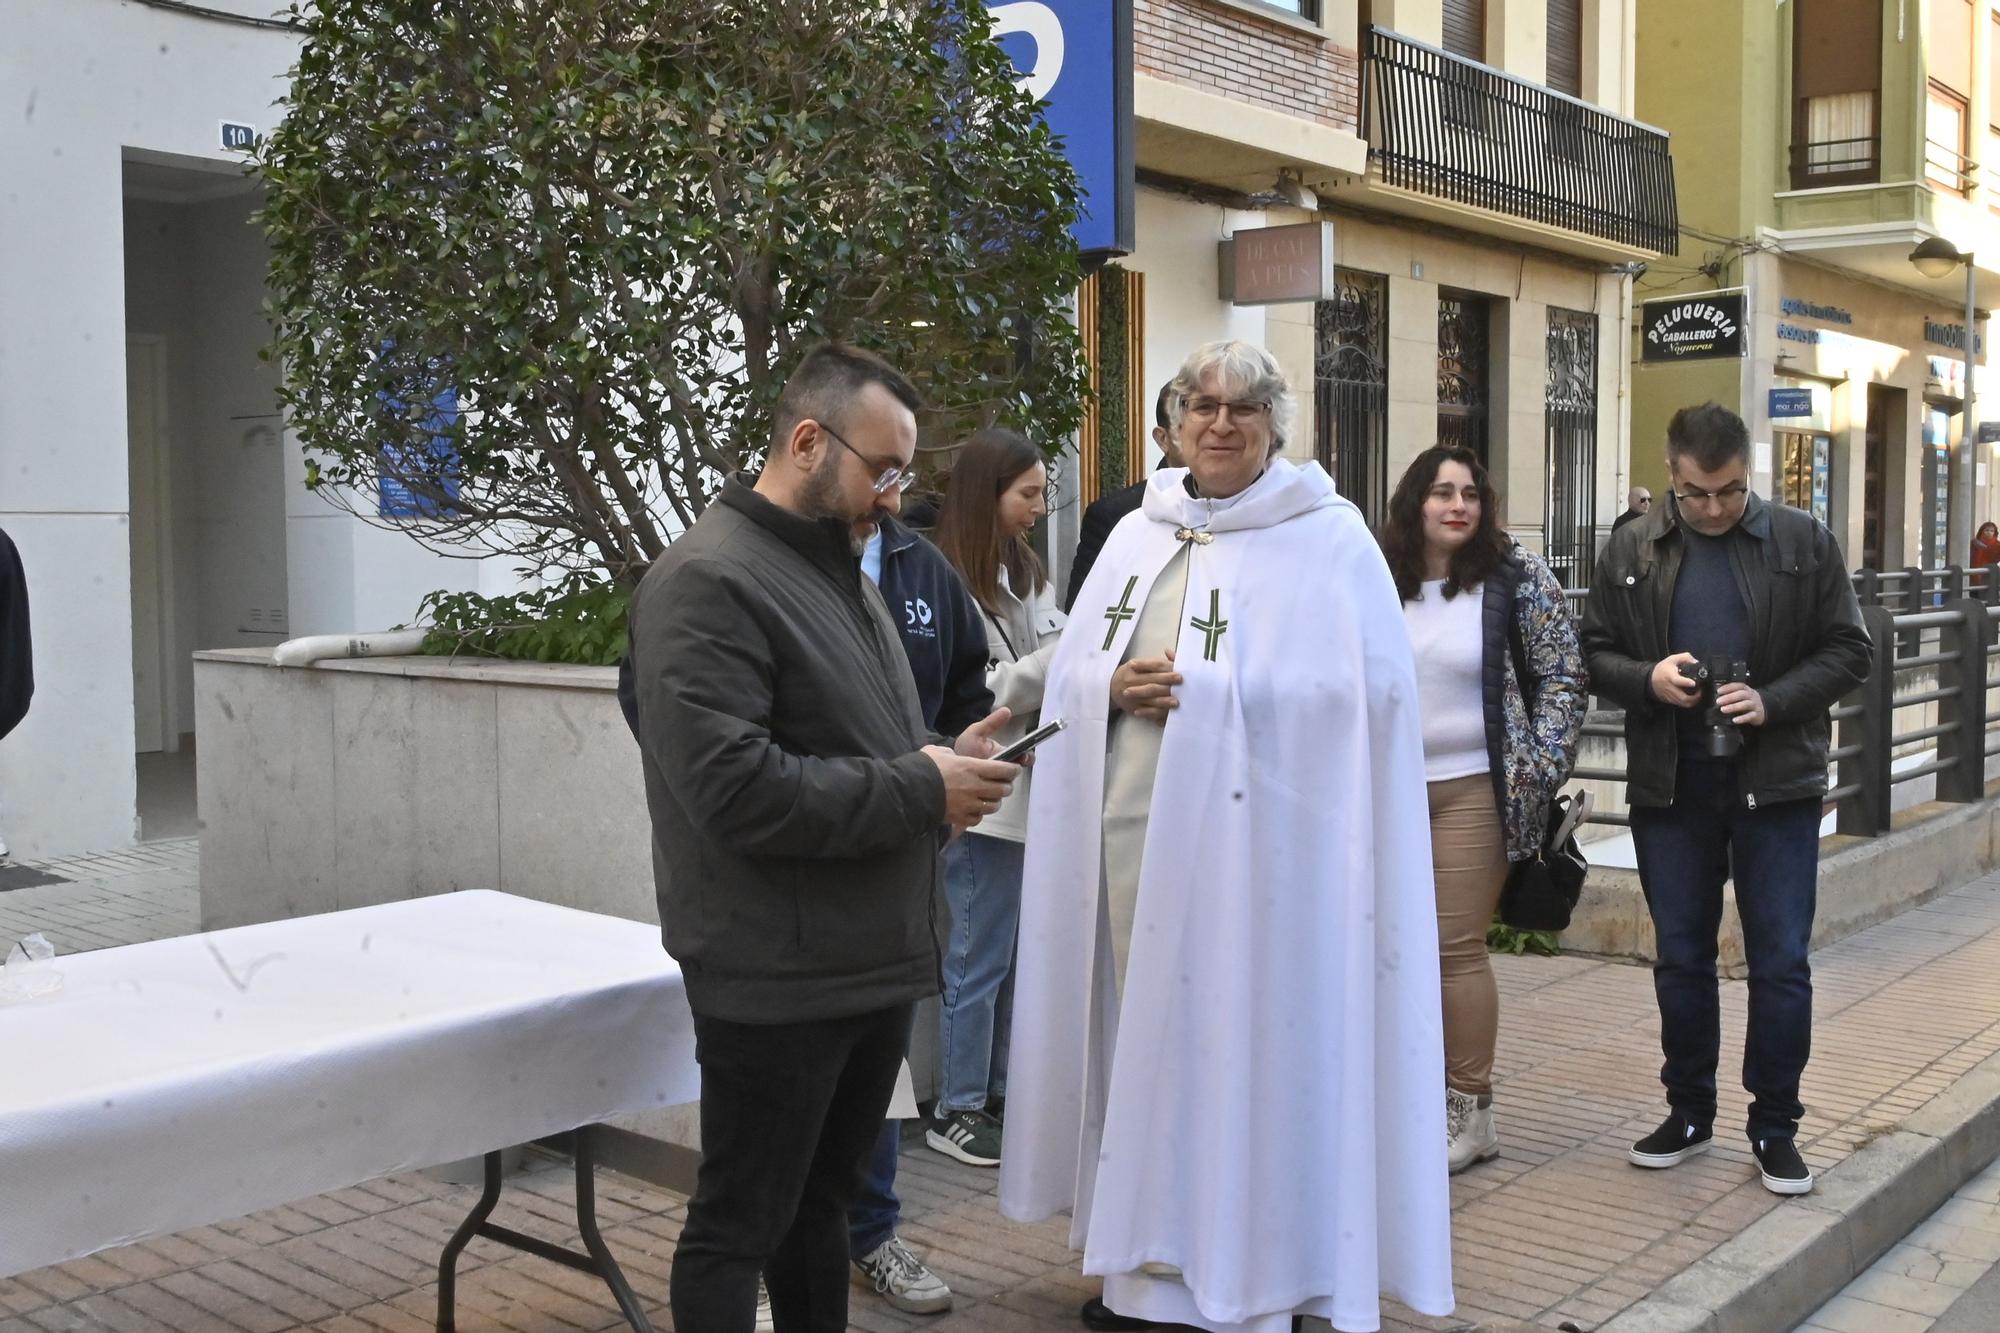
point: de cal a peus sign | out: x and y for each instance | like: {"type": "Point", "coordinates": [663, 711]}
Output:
{"type": "Point", "coordinates": [1692, 328]}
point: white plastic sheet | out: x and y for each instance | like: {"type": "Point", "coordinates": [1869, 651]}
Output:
{"type": "Point", "coordinates": [183, 1082]}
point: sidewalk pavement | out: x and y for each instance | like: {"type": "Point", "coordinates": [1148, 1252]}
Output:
{"type": "Point", "coordinates": [1559, 1228]}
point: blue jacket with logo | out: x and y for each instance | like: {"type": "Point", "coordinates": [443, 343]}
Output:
{"type": "Point", "coordinates": [944, 634]}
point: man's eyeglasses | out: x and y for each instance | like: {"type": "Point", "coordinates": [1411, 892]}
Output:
{"type": "Point", "coordinates": [1207, 409]}
{"type": "Point", "coordinates": [1729, 494]}
{"type": "Point", "coordinates": [893, 478]}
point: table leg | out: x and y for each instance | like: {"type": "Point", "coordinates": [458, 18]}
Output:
{"type": "Point", "coordinates": [447, 1320]}
{"type": "Point", "coordinates": [598, 1261]}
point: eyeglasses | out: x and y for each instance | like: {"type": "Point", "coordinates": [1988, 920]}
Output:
{"type": "Point", "coordinates": [1728, 495]}
{"type": "Point", "coordinates": [895, 477]}
{"type": "Point", "coordinates": [1207, 409]}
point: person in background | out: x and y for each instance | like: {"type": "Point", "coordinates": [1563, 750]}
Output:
{"type": "Point", "coordinates": [1728, 580]}
{"type": "Point", "coordinates": [17, 658]}
{"type": "Point", "coordinates": [797, 802]}
{"type": "Point", "coordinates": [944, 638]}
{"type": "Point", "coordinates": [1638, 504]}
{"type": "Point", "coordinates": [1501, 693]}
{"type": "Point", "coordinates": [1986, 546]}
{"type": "Point", "coordinates": [998, 493]}
{"type": "Point", "coordinates": [1105, 512]}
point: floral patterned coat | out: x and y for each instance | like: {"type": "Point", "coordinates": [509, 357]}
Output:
{"type": "Point", "coordinates": [1532, 732]}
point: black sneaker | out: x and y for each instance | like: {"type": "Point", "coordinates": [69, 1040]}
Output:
{"type": "Point", "coordinates": [1785, 1172]}
{"type": "Point", "coordinates": [1677, 1139]}
{"type": "Point", "coordinates": [973, 1137]}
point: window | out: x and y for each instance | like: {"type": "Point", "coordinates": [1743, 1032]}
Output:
{"type": "Point", "coordinates": [1945, 162]}
{"type": "Point", "coordinates": [1465, 28]}
{"type": "Point", "coordinates": [1464, 371]}
{"type": "Point", "coordinates": [1566, 46]}
{"type": "Point", "coordinates": [1836, 83]}
{"type": "Point", "coordinates": [1305, 9]}
{"type": "Point", "coordinates": [1351, 389]}
{"type": "Point", "coordinates": [1569, 507]}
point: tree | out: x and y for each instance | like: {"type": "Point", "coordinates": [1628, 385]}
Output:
{"type": "Point", "coordinates": [539, 268]}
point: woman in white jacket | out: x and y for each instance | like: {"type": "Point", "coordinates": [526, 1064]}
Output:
{"type": "Point", "coordinates": [997, 494]}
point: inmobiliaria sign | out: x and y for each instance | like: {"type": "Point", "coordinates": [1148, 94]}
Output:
{"type": "Point", "coordinates": [1693, 328]}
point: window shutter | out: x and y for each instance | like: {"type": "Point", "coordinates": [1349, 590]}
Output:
{"type": "Point", "coordinates": [1566, 46]}
{"type": "Point", "coordinates": [1838, 46]}
{"type": "Point", "coordinates": [1465, 28]}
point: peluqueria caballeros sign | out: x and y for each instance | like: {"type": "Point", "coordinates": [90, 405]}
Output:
{"type": "Point", "coordinates": [1692, 328]}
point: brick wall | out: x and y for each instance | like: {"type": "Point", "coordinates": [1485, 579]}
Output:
{"type": "Point", "coordinates": [1222, 49]}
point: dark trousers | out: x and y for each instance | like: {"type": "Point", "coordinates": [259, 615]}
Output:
{"type": "Point", "coordinates": [789, 1113]}
{"type": "Point", "coordinates": [1685, 853]}
{"type": "Point", "coordinates": [872, 1217]}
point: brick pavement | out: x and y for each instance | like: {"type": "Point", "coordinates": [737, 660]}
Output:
{"type": "Point", "coordinates": [1559, 1228]}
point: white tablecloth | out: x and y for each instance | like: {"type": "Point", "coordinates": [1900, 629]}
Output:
{"type": "Point", "coordinates": [184, 1082]}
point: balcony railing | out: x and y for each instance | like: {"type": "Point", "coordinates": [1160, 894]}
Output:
{"type": "Point", "coordinates": [1836, 162]}
{"type": "Point", "coordinates": [1451, 127]}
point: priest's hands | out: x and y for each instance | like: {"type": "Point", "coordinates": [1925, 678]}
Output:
{"type": "Point", "coordinates": [1144, 687]}
{"type": "Point", "coordinates": [974, 785]}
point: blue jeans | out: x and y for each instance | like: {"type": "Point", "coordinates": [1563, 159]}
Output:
{"type": "Point", "coordinates": [982, 881]}
{"type": "Point", "coordinates": [872, 1217]}
{"type": "Point", "coordinates": [1685, 853]}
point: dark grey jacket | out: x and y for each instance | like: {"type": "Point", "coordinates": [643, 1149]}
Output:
{"type": "Point", "coordinates": [1807, 646]}
{"type": "Point", "coordinates": [795, 821]}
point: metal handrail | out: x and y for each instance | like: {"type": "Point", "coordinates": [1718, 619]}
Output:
{"type": "Point", "coordinates": [1948, 623]}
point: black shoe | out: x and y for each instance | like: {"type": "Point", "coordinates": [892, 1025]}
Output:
{"type": "Point", "coordinates": [1677, 1139]}
{"type": "Point", "coordinates": [1096, 1314]}
{"type": "Point", "coordinates": [1785, 1172]}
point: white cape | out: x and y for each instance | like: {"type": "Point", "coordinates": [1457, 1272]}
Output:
{"type": "Point", "coordinates": [1268, 1113]}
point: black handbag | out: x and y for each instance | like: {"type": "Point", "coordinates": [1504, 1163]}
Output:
{"type": "Point", "coordinates": [1540, 894]}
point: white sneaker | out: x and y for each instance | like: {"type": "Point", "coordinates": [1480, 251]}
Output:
{"type": "Point", "coordinates": [765, 1324]}
{"type": "Point", "coordinates": [901, 1279]}
{"type": "Point", "coordinates": [1470, 1135]}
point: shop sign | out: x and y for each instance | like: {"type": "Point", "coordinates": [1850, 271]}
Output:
{"type": "Point", "coordinates": [1699, 328]}
{"type": "Point", "coordinates": [1989, 432]}
{"type": "Point", "coordinates": [1075, 57]}
{"type": "Point", "coordinates": [1952, 336]}
{"type": "Point", "coordinates": [1795, 308]}
{"type": "Point", "coordinates": [1270, 265]}
{"type": "Point", "coordinates": [1791, 403]}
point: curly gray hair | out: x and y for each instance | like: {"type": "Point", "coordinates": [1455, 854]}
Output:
{"type": "Point", "coordinates": [1241, 370]}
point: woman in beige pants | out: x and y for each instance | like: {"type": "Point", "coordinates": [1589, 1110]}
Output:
{"type": "Point", "coordinates": [1500, 685]}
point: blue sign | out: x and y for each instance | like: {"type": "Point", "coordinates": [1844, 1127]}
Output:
{"type": "Point", "coordinates": [1076, 55]}
{"type": "Point", "coordinates": [238, 138]}
{"type": "Point", "coordinates": [1791, 403]}
{"type": "Point", "coordinates": [431, 462]}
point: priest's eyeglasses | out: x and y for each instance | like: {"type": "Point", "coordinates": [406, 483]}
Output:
{"type": "Point", "coordinates": [891, 478]}
{"type": "Point", "coordinates": [1207, 409]}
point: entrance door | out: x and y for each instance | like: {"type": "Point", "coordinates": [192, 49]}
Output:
{"type": "Point", "coordinates": [152, 603]}
{"type": "Point", "coordinates": [1885, 405]}
{"type": "Point", "coordinates": [1351, 389]}
{"type": "Point", "coordinates": [1464, 370]}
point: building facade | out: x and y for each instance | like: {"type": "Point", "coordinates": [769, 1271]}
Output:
{"type": "Point", "coordinates": [1820, 142]}
{"type": "Point", "coordinates": [1488, 193]}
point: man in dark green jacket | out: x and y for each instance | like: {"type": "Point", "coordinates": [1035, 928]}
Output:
{"type": "Point", "coordinates": [796, 811]}
{"type": "Point", "coordinates": [1720, 575]}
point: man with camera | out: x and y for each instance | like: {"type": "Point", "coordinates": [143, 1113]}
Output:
{"type": "Point", "coordinates": [1726, 627]}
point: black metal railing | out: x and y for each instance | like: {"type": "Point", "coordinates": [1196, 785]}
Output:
{"type": "Point", "coordinates": [1451, 127]}
{"type": "Point", "coordinates": [1836, 162]}
{"type": "Point", "coordinates": [1937, 648]}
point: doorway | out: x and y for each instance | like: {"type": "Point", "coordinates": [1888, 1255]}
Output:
{"type": "Point", "coordinates": [205, 470]}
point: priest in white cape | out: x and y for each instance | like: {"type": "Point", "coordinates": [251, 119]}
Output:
{"type": "Point", "coordinates": [1227, 1041]}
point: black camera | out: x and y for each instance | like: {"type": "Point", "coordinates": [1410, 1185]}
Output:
{"type": "Point", "coordinates": [1724, 738]}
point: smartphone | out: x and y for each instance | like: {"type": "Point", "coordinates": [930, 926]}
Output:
{"type": "Point", "coordinates": [1018, 751]}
